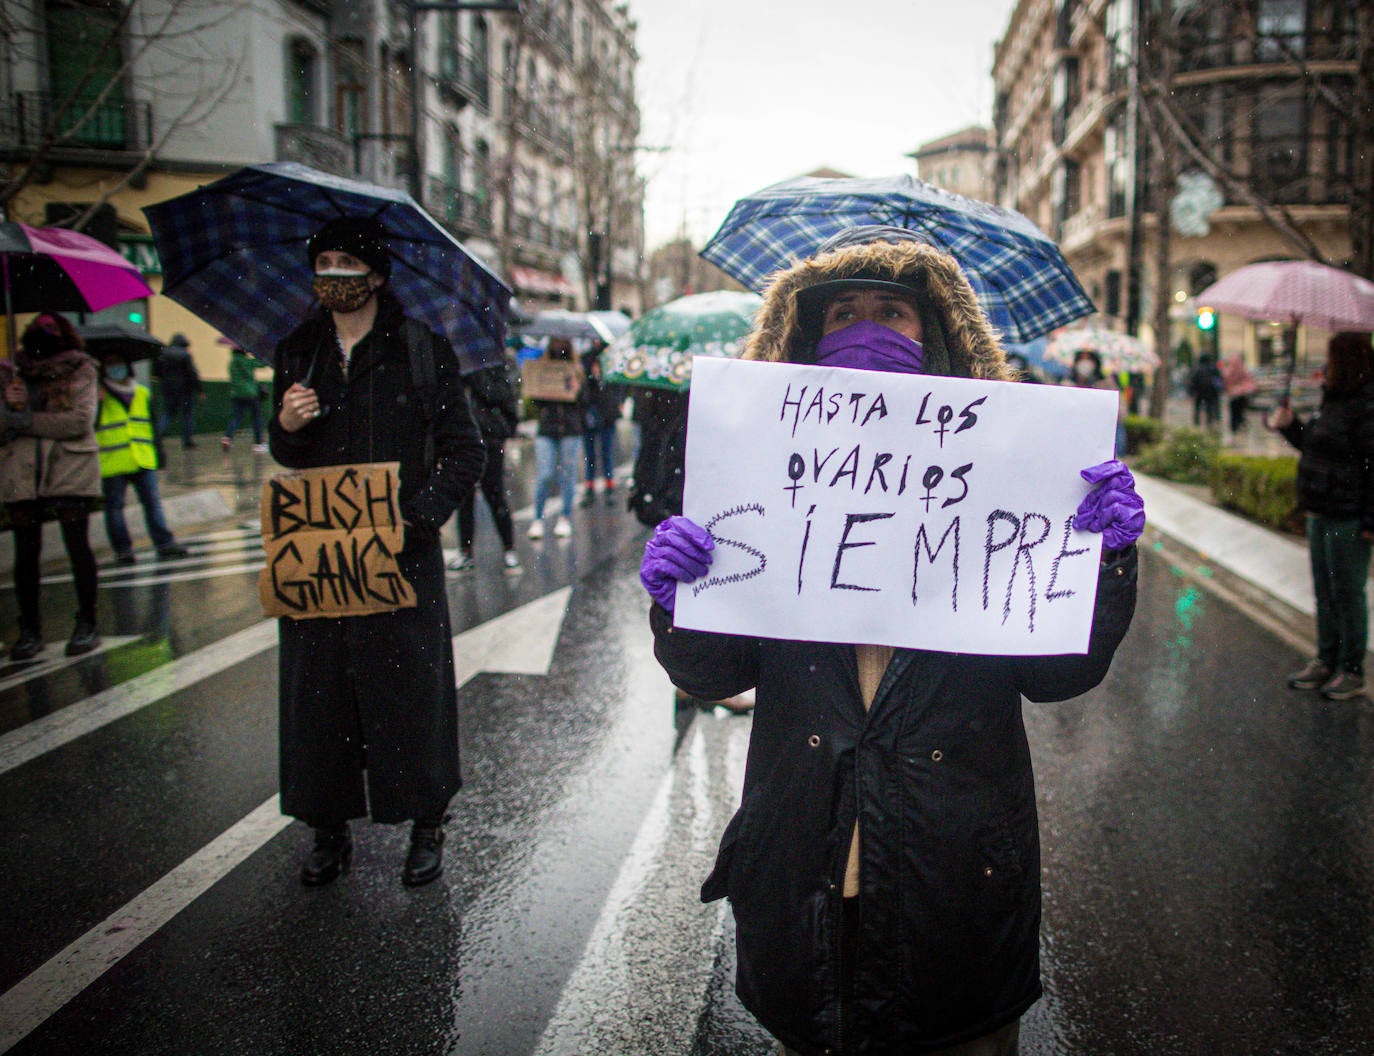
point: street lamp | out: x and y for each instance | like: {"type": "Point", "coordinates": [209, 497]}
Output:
{"type": "Point", "coordinates": [413, 9]}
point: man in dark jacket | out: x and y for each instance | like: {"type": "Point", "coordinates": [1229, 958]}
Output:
{"type": "Point", "coordinates": [491, 391]}
{"type": "Point", "coordinates": [369, 714]}
{"type": "Point", "coordinates": [179, 383]}
{"type": "Point", "coordinates": [883, 867]}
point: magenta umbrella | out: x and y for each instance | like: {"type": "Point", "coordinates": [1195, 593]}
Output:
{"type": "Point", "coordinates": [51, 269]}
{"type": "Point", "coordinates": [1295, 291]}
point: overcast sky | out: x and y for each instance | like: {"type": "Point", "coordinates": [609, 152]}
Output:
{"type": "Point", "coordinates": [744, 93]}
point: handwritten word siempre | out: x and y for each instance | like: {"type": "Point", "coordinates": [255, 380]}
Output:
{"type": "Point", "coordinates": [1011, 546]}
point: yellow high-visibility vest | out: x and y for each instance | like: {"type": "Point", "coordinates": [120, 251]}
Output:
{"type": "Point", "coordinates": [125, 435]}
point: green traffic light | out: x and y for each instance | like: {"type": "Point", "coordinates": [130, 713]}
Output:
{"type": "Point", "coordinates": [1206, 319]}
{"type": "Point", "coordinates": [136, 318]}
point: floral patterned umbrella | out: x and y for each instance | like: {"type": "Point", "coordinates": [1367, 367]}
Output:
{"type": "Point", "coordinates": [658, 348]}
{"type": "Point", "coordinates": [1117, 351]}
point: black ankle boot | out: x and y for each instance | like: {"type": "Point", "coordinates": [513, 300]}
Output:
{"type": "Point", "coordinates": [30, 644]}
{"type": "Point", "coordinates": [425, 860]}
{"type": "Point", "coordinates": [84, 638]}
{"type": "Point", "coordinates": [329, 857]}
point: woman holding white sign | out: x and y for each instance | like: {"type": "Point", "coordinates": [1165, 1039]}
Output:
{"type": "Point", "coordinates": [883, 867]}
{"type": "Point", "coordinates": [369, 712]}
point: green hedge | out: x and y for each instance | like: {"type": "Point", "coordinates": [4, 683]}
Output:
{"type": "Point", "coordinates": [1261, 489]}
{"type": "Point", "coordinates": [1141, 432]}
{"type": "Point", "coordinates": [1182, 455]}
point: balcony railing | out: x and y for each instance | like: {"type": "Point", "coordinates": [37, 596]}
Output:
{"type": "Point", "coordinates": [32, 119]}
{"type": "Point", "coordinates": [320, 148]}
{"type": "Point", "coordinates": [1268, 49]}
{"type": "Point", "coordinates": [467, 74]}
{"type": "Point", "coordinates": [539, 123]}
{"type": "Point", "coordinates": [543, 18]}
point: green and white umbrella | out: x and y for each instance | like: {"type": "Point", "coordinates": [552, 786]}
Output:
{"type": "Point", "coordinates": [658, 348]}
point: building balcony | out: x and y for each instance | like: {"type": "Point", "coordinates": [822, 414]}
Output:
{"type": "Point", "coordinates": [320, 148]}
{"type": "Point", "coordinates": [1081, 228]}
{"type": "Point", "coordinates": [1087, 119]}
{"type": "Point", "coordinates": [543, 18]}
{"type": "Point", "coordinates": [32, 120]}
{"type": "Point", "coordinates": [467, 77]}
{"type": "Point", "coordinates": [537, 123]}
{"type": "Point", "coordinates": [1269, 50]}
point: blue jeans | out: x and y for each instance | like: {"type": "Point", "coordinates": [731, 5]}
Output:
{"type": "Point", "coordinates": [145, 486]}
{"type": "Point", "coordinates": [1340, 567]}
{"type": "Point", "coordinates": [240, 408]}
{"type": "Point", "coordinates": [555, 457]}
{"type": "Point", "coordinates": [599, 443]}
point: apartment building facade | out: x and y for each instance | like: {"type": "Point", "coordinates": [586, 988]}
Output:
{"type": "Point", "coordinates": [515, 128]}
{"type": "Point", "coordinates": [1256, 128]}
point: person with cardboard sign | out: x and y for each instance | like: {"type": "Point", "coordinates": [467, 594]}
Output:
{"type": "Point", "coordinates": [883, 866]}
{"type": "Point", "coordinates": [558, 441]}
{"type": "Point", "coordinates": [371, 414]}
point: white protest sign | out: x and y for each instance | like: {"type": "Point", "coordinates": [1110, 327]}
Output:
{"type": "Point", "coordinates": [893, 509]}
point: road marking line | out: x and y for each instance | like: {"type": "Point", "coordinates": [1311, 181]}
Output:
{"type": "Point", "coordinates": [27, 1004]}
{"type": "Point", "coordinates": [77, 720]}
{"type": "Point", "coordinates": [54, 658]}
{"type": "Point", "coordinates": [30, 1002]}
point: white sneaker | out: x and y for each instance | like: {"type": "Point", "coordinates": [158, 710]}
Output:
{"type": "Point", "coordinates": [536, 530]}
{"type": "Point", "coordinates": [259, 449]}
{"type": "Point", "coordinates": [511, 560]}
{"type": "Point", "coordinates": [562, 528]}
{"type": "Point", "coordinates": [461, 562]}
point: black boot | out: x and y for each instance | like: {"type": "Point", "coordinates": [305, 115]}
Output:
{"type": "Point", "coordinates": [425, 860]}
{"type": "Point", "coordinates": [329, 857]}
{"type": "Point", "coordinates": [30, 644]}
{"type": "Point", "coordinates": [84, 638]}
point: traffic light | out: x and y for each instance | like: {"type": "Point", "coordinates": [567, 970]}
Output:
{"type": "Point", "coordinates": [136, 317]}
{"type": "Point", "coordinates": [1206, 319]}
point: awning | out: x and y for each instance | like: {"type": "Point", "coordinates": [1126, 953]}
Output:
{"type": "Point", "coordinates": [536, 281]}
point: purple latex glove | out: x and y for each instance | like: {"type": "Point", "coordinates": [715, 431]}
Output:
{"type": "Point", "coordinates": [1113, 507]}
{"type": "Point", "coordinates": [679, 552]}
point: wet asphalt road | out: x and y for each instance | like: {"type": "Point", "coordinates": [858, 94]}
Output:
{"type": "Point", "coordinates": [1207, 840]}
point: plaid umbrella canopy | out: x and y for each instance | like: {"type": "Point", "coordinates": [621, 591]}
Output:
{"type": "Point", "coordinates": [1023, 281]}
{"type": "Point", "coordinates": [657, 350]}
{"type": "Point", "coordinates": [234, 253]}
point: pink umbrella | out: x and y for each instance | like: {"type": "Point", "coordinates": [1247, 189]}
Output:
{"type": "Point", "coordinates": [1295, 291]}
{"type": "Point", "coordinates": [51, 269]}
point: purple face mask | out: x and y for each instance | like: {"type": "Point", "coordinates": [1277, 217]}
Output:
{"type": "Point", "coordinates": [870, 346]}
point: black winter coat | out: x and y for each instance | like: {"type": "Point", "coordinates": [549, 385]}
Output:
{"type": "Point", "coordinates": [938, 772]}
{"type": "Point", "coordinates": [494, 405]}
{"type": "Point", "coordinates": [387, 677]}
{"type": "Point", "coordinates": [1336, 469]}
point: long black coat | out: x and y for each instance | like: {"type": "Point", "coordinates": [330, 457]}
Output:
{"type": "Point", "coordinates": [375, 691]}
{"type": "Point", "coordinates": [938, 771]}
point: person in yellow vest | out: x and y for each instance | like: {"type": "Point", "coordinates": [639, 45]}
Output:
{"type": "Point", "coordinates": [128, 455]}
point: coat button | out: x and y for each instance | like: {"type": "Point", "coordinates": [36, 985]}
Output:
{"type": "Point", "coordinates": [937, 755]}
{"type": "Point", "coordinates": [814, 740]}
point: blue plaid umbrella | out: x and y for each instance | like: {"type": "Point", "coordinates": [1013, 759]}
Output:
{"type": "Point", "coordinates": [1023, 281]}
{"type": "Point", "coordinates": [233, 252]}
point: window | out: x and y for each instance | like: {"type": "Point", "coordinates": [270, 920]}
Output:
{"type": "Point", "coordinates": [349, 89]}
{"type": "Point", "coordinates": [481, 61]}
{"type": "Point", "coordinates": [81, 67]}
{"type": "Point", "coordinates": [1278, 145]}
{"type": "Point", "coordinates": [300, 83]}
{"type": "Point", "coordinates": [1281, 25]}
{"type": "Point", "coordinates": [448, 45]}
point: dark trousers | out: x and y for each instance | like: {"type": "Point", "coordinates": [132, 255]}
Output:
{"type": "Point", "coordinates": [599, 444]}
{"type": "Point", "coordinates": [244, 407]}
{"type": "Point", "coordinates": [1238, 405]}
{"type": "Point", "coordinates": [1208, 408]}
{"type": "Point", "coordinates": [181, 408]}
{"type": "Point", "coordinates": [1340, 568]}
{"type": "Point", "coordinates": [28, 552]}
{"type": "Point", "coordinates": [145, 487]}
{"type": "Point", "coordinates": [493, 488]}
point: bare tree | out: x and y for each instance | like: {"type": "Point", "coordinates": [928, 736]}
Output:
{"type": "Point", "coordinates": [169, 36]}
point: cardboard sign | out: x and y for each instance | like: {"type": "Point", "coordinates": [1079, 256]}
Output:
{"type": "Point", "coordinates": [331, 537]}
{"type": "Point", "coordinates": [559, 380]}
{"type": "Point", "coordinates": [893, 509]}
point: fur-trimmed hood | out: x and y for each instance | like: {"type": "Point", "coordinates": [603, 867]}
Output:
{"type": "Point", "coordinates": [973, 345]}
